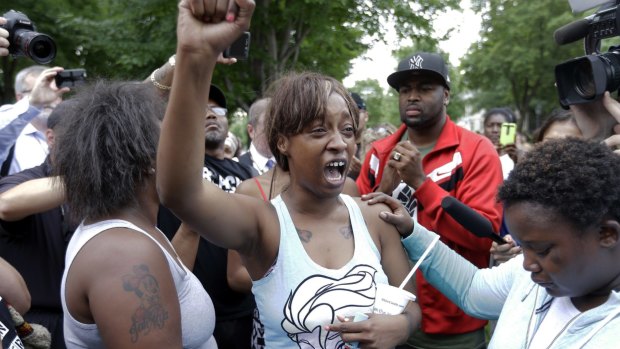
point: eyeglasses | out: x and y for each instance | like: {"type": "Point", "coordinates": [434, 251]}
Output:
{"type": "Point", "coordinates": [219, 111]}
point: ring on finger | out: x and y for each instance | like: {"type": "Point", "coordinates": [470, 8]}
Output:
{"type": "Point", "coordinates": [397, 156]}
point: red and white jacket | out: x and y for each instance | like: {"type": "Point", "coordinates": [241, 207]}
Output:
{"type": "Point", "coordinates": [464, 165]}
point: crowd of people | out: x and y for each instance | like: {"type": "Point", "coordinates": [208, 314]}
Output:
{"type": "Point", "coordinates": [131, 217]}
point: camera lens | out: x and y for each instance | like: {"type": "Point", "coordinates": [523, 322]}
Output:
{"type": "Point", "coordinates": [612, 69]}
{"type": "Point", "coordinates": [39, 47]}
{"type": "Point", "coordinates": [43, 48]}
{"type": "Point", "coordinates": [584, 80]}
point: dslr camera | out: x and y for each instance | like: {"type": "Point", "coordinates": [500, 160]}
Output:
{"type": "Point", "coordinates": [585, 79]}
{"type": "Point", "coordinates": [25, 41]}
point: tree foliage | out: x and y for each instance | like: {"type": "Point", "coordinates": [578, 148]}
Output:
{"type": "Point", "coordinates": [512, 64]}
{"type": "Point", "coordinates": [382, 105]}
{"type": "Point", "coordinates": [127, 39]}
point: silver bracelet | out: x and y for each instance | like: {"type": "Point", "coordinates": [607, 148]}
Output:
{"type": "Point", "coordinates": [157, 83]}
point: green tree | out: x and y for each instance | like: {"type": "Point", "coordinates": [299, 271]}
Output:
{"type": "Point", "coordinates": [382, 105]}
{"type": "Point", "coordinates": [512, 64]}
{"type": "Point", "coordinates": [128, 39]}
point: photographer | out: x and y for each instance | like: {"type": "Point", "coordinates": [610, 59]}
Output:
{"type": "Point", "coordinates": [33, 92]}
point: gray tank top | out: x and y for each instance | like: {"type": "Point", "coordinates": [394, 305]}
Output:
{"type": "Point", "coordinates": [197, 313]}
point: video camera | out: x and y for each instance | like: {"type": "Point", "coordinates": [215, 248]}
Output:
{"type": "Point", "coordinates": [585, 79]}
{"type": "Point", "coordinates": [25, 41]}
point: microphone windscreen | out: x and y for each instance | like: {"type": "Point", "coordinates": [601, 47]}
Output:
{"type": "Point", "coordinates": [572, 31]}
{"type": "Point", "coordinates": [467, 217]}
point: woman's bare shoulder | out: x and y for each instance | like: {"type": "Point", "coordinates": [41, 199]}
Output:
{"type": "Point", "coordinates": [371, 214]}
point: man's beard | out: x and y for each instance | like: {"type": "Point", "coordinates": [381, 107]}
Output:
{"type": "Point", "coordinates": [214, 139]}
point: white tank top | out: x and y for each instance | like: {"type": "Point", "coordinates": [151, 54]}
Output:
{"type": "Point", "coordinates": [197, 313]}
{"type": "Point", "coordinates": [298, 297]}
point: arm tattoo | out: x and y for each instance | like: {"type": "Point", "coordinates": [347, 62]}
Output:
{"type": "Point", "coordinates": [304, 235]}
{"type": "Point", "coordinates": [151, 313]}
{"type": "Point", "coordinates": [346, 232]}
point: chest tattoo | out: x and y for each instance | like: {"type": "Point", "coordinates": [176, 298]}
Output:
{"type": "Point", "coordinates": [346, 232]}
{"type": "Point", "coordinates": [304, 235]}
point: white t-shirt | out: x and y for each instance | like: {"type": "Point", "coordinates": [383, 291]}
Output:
{"type": "Point", "coordinates": [507, 165]}
{"type": "Point", "coordinates": [560, 315]}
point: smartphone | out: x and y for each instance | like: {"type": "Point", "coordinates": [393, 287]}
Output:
{"type": "Point", "coordinates": [70, 78]}
{"type": "Point", "coordinates": [240, 49]}
{"type": "Point", "coordinates": [507, 134]}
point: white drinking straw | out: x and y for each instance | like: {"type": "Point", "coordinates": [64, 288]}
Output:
{"type": "Point", "coordinates": [417, 264]}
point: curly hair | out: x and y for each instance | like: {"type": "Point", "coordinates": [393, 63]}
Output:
{"type": "Point", "coordinates": [107, 148]}
{"type": "Point", "coordinates": [578, 179]}
{"type": "Point", "coordinates": [297, 99]}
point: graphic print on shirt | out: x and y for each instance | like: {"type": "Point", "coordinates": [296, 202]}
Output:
{"type": "Point", "coordinates": [8, 336]}
{"type": "Point", "coordinates": [404, 194]}
{"type": "Point", "coordinates": [318, 299]}
{"type": "Point", "coordinates": [228, 184]}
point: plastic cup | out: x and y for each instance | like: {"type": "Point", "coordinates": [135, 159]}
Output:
{"type": "Point", "coordinates": [391, 300]}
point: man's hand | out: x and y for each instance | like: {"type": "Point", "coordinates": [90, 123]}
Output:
{"type": "Point", "coordinates": [613, 107]}
{"type": "Point", "coordinates": [502, 253]}
{"type": "Point", "coordinates": [389, 180]}
{"type": "Point", "coordinates": [4, 41]}
{"type": "Point", "coordinates": [44, 92]}
{"type": "Point", "coordinates": [355, 166]}
{"type": "Point", "coordinates": [613, 142]}
{"type": "Point", "coordinates": [597, 119]}
{"type": "Point", "coordinates": [513, 152]}
{"type": "Point", "coordinates": [408, 164]}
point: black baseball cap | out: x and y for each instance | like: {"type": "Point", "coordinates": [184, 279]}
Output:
{"type": "Point", "coordinates": [58, 114]}
{"type": "Point", "coordinates": [421, 62]}
{"type": "Point", "coordinates": [358, 100]}
{"type": "Point", "coordinates": [217, 95]}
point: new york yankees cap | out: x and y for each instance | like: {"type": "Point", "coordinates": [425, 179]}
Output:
{"type": "Point", "coordinates": [421, 62]}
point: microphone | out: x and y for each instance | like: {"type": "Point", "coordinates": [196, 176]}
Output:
{"type": "Point", "coordinates": [470, 219]}
{"type": "Point", "coordinates": [572, 31]}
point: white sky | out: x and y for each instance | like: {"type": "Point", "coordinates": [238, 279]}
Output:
{"type": "Point", "coordinates": [378, 62]}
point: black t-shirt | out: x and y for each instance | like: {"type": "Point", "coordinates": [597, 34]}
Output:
{"type": "Point", "coordinates": [211, 260]}
{"type": "Point", "coordinates": [36, 245]}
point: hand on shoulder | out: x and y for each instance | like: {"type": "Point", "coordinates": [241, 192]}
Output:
{"type": "Point", "coordinates": [383, 207]}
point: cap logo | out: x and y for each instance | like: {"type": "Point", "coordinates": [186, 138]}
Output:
{"type": "Point", "coordinates": [416, 62]}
